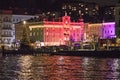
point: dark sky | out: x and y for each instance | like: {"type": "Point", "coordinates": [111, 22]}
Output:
{"type": "Point", "coordinates": [103, 2]}
{"type": "Point", "coordinates": [45, 4]}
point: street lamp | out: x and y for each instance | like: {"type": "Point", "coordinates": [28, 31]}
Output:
{"type": "Point", "coordinates": [24, 22]}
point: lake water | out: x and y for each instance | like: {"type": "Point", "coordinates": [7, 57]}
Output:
{"type": "Point", "coordinates": [39, 67]}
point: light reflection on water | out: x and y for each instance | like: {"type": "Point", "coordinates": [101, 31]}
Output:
{"type": "Point", "coordinates": [32, 67]}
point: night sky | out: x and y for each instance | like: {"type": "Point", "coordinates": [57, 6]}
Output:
{"type": "Point", "coordinates": [45, 4]}
{"type": "Point", "coordinates": [103, 2]}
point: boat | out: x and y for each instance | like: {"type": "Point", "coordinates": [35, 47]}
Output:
{"type": "Point", "coordinates": [91, 53]}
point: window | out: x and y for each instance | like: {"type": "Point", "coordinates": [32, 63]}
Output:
{"type": "Point", "coordinates": [17, 20]}
{"type": "Point", "coordinates": [30, 33]}
{"type": "Point", "coordinates": [13, 33]}
{"type": "Point", "coordinates": [37, 33]}
{"type": "Point", "coordinates": [33, 33]}
{"type": "Point", "coordinates": [103, 29]}
{"type": "Point", "coordinates": [86, 9]}
{"type": "Point", "coordinates": [30, 29]}
{"type": "Point", "coordinates": [13, 20]}
{"type": "Point", "coordinates": [46, 33]}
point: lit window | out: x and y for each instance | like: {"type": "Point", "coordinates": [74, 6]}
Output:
{"type": "Point", "coordinates": [86, 12]}
{"type": "Point", "coordinates": [82, 5]}
{"type": "Point", "coordinates": [31, 34]}
{"type": "Point", "coordinates": [86, 9]}
{"type": "Point", "coordinates": [69, 12]}
{"type": "Point", "coordinates": [74, 9]}
{"type": "Point", "coordinates": [53, 14]}
{"type": "Point", "coordinates": [82, 13]}
{"type": "Point", "coordinates": [66, 22]}
{"type": "Point", "coordinates": [79, 11]}
{"type": "Point", "coordinates": [46, 33]}
{"type": "Point", "coordinates": [30, 29]}
{"type": "Point", "coordinates": [109, 12]}
{"type": "Point", "coordinates": [48, 12]}
{"type": "Point", "coordinates": [34, 34]}
{"type": "Point", "coordinates": [94, 10]}
{"type": "Point", "coordinates": [69, 7]}
{"type": "Point", "coordinates": [64, 7]}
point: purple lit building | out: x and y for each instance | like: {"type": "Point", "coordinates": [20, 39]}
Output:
{"type": "Point", "coordinates": [108, 30]}
{"type": "Point", "coordinates": [95, 31]}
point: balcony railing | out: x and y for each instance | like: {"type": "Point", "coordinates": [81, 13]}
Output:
{"type": "Point", "coordinates": [6, 28]}
{"type": "Point", "coordinates": [6, 20]}
{"type": "Point", "coordinates": [4, 35]}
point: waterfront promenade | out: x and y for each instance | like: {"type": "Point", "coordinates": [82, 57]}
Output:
{"type": "Point", "coordinates": [85, 53]}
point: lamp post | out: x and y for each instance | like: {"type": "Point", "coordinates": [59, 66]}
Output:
{"type": "Point", "coordinates": [24, 22]}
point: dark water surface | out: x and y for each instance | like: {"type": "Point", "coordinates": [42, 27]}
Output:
{"type": "Point", "coordinates": [38, 67]}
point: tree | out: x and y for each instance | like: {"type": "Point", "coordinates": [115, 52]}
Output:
{"type": "Point", "coordinates": [118, 41]}
{"type": "Point", "coordinates": [25, 41]}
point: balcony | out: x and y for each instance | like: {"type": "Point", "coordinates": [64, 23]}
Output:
{"type": "Point", "coordinates": [6, 20]}
{"type": "Point", "coordinates": [6, 28]}
{"type": "Point", "coordinates": [5, 35]}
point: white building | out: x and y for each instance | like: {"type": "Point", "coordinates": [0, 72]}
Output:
{"type": "Point", "coordinates": [19, 18]}
{"type": "Point", "coordinates": [7, 27]}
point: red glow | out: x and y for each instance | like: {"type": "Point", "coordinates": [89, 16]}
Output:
{"type": "Point", "coordinates": [59, 33]}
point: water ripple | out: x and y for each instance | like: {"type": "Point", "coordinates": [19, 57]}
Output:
{"type": "Point", "coordinates": [30, 67]}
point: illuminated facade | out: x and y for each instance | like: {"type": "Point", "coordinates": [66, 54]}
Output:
{"type": "Point", "coordinates": [92, 31]}
{"type": "Point", "coordinates": [36, 33]}
{"type": "Point", "coordinates": [108, 30]}
{"type": "Point", "coordinates": [96, 31]}
{"type": "Point", "coordinates": [60, 33]}
{"type": "Point", "coordinates": [65, 32]}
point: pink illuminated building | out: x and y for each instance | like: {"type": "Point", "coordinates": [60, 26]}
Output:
{"type": "Point", "coordinates": [63, 33]}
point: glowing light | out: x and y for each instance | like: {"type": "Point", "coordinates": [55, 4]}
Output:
{"type": "Point", "coordinates": [24, 22]}
{"type": "Point", "coordinates": [66, 22]}
{"type": "Point", "coordinates": [42, 43]}
{"type": "Point", "coordinates": [54, 31]}
{"type": "Point", "coordinates": [109, 30]}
